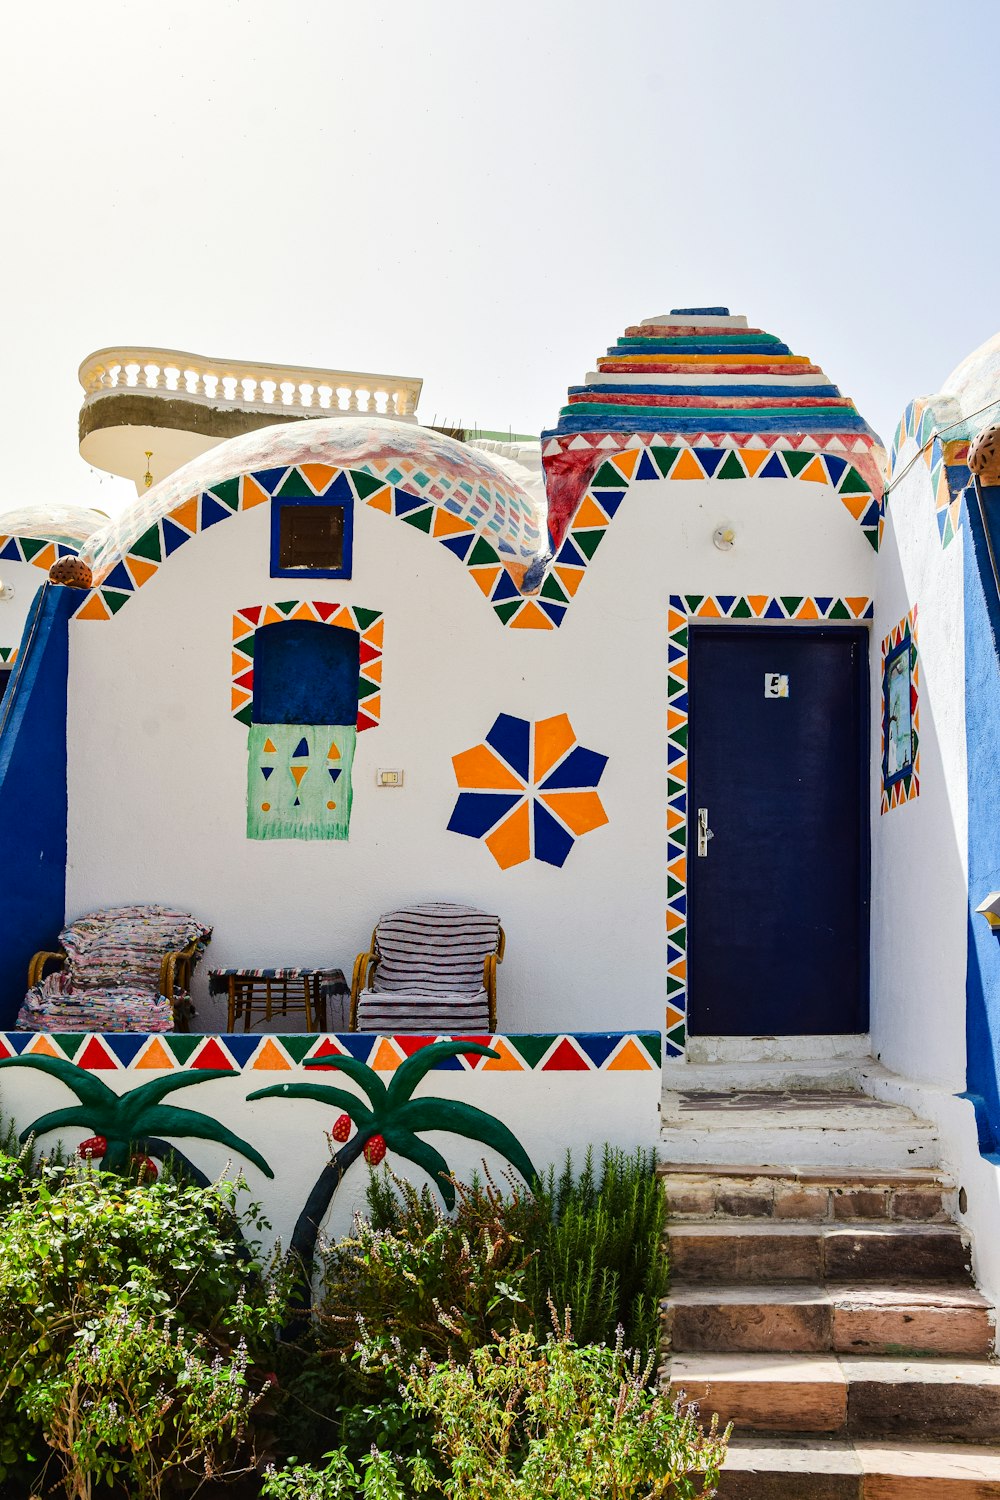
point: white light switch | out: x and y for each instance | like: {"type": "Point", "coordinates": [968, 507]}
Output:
{"type": "Point", "coordinates": [388, 778]}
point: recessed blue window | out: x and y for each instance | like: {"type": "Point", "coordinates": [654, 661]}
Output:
{"type": "Point", "coordinates": [311, 538]}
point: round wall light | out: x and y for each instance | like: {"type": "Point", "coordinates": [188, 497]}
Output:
{"type": "Point", "coordinates": [724, 537]}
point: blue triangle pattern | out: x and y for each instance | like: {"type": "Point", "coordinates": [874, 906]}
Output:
{"type": "Point", "coordinates": [174, 536]}
{"type": "Point", "coordinates": [213, 511]}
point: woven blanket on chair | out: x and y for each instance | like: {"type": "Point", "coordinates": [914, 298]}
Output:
{"type": "Point", "coordinates": [429, 977]}
{"type": "Point", "coordinates": [111, 980]}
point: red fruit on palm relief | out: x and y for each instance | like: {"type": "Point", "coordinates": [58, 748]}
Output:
{"type": "Point", "coordinates": [374, 1150]}
{"type": "Point", "coordinates": [147, 1167]}
{"type": "Point", "coordinates": [94, 1145]}
{"type": "Point", "coordinates": [342, 1128]}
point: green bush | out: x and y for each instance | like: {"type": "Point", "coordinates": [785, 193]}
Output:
{"type": "Point", "coordinates": [521, 1420]}
{"type": "Point", "coordinates": [410, 1279]}
{"type": "Point", "coordinates": [132, 1317]}
{"type": "Point", "coordinates": [600, 1250]}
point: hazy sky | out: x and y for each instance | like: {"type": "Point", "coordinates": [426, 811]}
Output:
{"type": "Point", "coordinates": [486, 195]}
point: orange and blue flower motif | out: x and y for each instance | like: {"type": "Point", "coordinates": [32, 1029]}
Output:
{"type": "Point", "coordinates": [528, 791]}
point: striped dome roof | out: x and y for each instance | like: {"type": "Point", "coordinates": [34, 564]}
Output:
{"type": "Point", "coordinates": [700, 370]}
{"type": "Point", "coordinates": [705, 378]}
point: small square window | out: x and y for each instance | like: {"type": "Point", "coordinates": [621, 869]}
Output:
{"type": "Point", "coordinates": [310, 538]}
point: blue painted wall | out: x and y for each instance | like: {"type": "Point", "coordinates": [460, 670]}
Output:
{"type": "Point", "coordinates": [33, 794]}
{"type": "Point", "coordinates": [982, 719]}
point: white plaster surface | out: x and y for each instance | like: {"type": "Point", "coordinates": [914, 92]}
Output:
{"type": "Point", "coordinates": [919, 850]}
{"type": "Point", "coordinates": [158, 766]}
{"type": "Point", "coordinates": [25, 580]}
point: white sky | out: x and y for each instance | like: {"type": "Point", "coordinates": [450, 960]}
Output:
{"type": "Point", "coordinates": [486, 195]}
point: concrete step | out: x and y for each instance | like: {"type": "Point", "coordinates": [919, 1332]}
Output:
{"type": "Point", "coordinates": [837, 1395]}
{"type": "Point", "coordinates": [761, 1251]}
{"type": "Point", "coordinates": [797, 1128]}
{"type": "Point", "coordinates": [903, 1321]}
{"type": "Point", "coordinates": [830, 1470]}
{"type": "Point", "coordinates": [699, 1190]}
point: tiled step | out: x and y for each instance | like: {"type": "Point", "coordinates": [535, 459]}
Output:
{"type": "Point", "coordinates": [697, 1190]}
{"type": "Point", "coordinates": [823, 1394]}
{"type": "Point", "coordinates": [831, 1470]}
{"type": "Point", "coordinates": [765, 1251]}
{"type": "Point", "coordinates": [803, 1318]}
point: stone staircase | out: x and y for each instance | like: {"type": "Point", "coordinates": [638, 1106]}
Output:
{"type": "Point", "coordinates": [829, 1312]}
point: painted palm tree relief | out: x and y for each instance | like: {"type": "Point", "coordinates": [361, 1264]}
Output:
{"type": "Point", "coordinates": [390, 1119]}
{"type": "Point", "coordinates": [133, 1126]}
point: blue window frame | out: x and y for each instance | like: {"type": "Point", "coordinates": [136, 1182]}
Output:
{"type": "Point", "coordinates": [311, 537]}
{"type": "Point", "coordinates": [897, 722]}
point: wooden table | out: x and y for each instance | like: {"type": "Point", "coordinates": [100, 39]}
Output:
{"type": "Point", "coordinates": [257, 995]}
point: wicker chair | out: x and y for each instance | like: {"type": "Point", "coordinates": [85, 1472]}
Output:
{"type": "Point", "coordinates": [430, 968]}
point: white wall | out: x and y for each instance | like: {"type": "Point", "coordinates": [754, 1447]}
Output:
{"type": "Point", "coordinates": [158, 766]}
{"type": "Point", "coordinates": [25, 580]}
{"type": "Point", "coordinates": [919, 849]}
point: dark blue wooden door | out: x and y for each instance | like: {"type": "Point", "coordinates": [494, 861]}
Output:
{"type": "Point", "coordinates": [778, 922]}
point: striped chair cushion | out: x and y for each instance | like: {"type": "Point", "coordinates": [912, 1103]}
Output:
{"type": "Point", "coordinates": [396, 1013]}
{"type": "Point", "coordinates": [435, 949]}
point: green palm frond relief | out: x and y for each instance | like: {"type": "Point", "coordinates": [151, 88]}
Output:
{"type": "Point", "coordinates": [395, 1121]}
{"type": "Point", "coordinates": [129, 1121]}
{"type": "Point", "coordinates": [320, 1093]}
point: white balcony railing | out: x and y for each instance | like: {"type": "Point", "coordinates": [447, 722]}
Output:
{"type": "Point", "coordinates": [257, 387]}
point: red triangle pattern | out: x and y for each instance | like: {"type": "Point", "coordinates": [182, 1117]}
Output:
{"type": "Point", "coordinates": [566, 1059]}
{"type": "Point", "coordinates": [327, 1048]}
{"type": "Point", "coordinates": [408, 1045]}
{"type": "Point", "coordinates": [367, 653]}
{"type": "Point", "coordinates": [324, 610]}
{"type": "Point", "coordinates": [473, 1058]}
{"type": "Point", "coordinates": [253, 614]}
{"type": "Point", "coordinates": [211, 1055]}
{"type": "Point", "coordinates": [5, 1051]}
{"type": "Point", "coordinates": [96, 1055]}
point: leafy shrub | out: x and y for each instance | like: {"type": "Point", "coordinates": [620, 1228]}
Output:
{"type": "Point", "coordinates": [521, 1420]}
{"type": "Point", "coordinates": [409, 1279]}
{"type": "Point", "coordinates": [131, 1317]}
{"type": "Point", "coordinates": [600, 1250]}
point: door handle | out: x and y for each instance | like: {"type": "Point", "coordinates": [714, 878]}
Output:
{"type": "Point", "coordinates": [704, 832]}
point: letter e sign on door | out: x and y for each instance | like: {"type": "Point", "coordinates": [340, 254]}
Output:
{"type": "Point", "coordinates": [775, 684]}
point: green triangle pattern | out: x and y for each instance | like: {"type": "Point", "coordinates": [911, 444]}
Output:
{"type": "Point", "coordinates": [552, 590]}
{"type": "Point", "coordinates": [507, 611]}
{"type": "Point", "coordinates": [181, 1046]}
{"type": "Point", "coordinates": [852, 483]}
{"type": "Point", "coordinates": [796, 462]}
{"type": "Point", "coordinates": [365, 484]}
{"type": "Point", "coordinates": [588, 541]}
{"type": "Point", "coordinates": [741, 611]}
{"type": "Point", "coordinates": [113, 599]}
{"type": "Point", "coordinates": [297, 1046]}
{"type": "Point", "coordinates": [295, 487]}
{"type": "Point", "coordinates": [228, 492]}
{"type": "Point", "coordinates": [365, 617]}
{"type": "Point", "coordinates": [608, 478]}
{"type": "Point", "coordinates": [650, 1041]}
{"type": "Point", "coordinates": [839, 611]}
{"type": "Point", "coordinates": [69, 1041]}
{"type": "Point", "coordinates": [245, 714]}
{"type": "Point", "coordinates": [532, 1048]}
{"type": "Point", "coordinates": [148, 545]}
{"type": "Point", "coordinates": [421, 519]}
{"type": "Point", "coordinates": [791, 603]}
{"type": "Point", "coordinates": [481, 553]}
{"type": "Point", "coordinates": [664, 458]}
{"type": "Point", "coordinates": [732, 468]}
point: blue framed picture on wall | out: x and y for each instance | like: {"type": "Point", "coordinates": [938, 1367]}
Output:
{"type": "Point", "coordinates": [900, 739]}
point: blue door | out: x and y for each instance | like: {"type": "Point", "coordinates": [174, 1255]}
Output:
{"type": "Point", "coordinates": [778, 848]}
